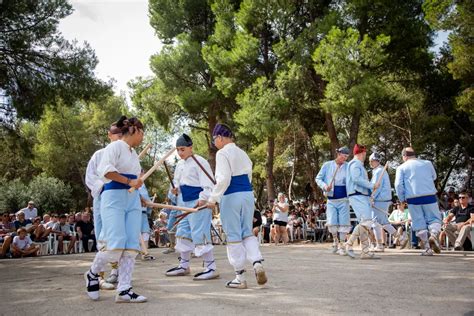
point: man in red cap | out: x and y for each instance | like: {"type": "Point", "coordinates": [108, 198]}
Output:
{"type": "Point", "coordinates": [358, 189]}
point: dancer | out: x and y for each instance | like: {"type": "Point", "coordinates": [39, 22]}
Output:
{"type": "Point", "coordinates": [358, 188]}
{"type": "Point", "coordinates": [194, 231]}
{"type": "Point", "coordinates": [381, 199]}
{"type": "Point", "coordinates": [414, 183]}
{"type": "Point", "coordinates": [120, 211]}
{"type": "Point", "coordinates": [332, 180]}
{"type": "Point", "coordinates": [95, 184]}
{"type": "Point", "coordinates": [145, 227]}
{"type": "Point", "coordinates": [233, 190]}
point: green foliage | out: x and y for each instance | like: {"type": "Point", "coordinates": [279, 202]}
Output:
{"type": "Point", "coordinates": [50, 195]}
{"type": "Point", "coordinates": [37, 65]}
{"type": "Point", "coordinates": [350, 67]}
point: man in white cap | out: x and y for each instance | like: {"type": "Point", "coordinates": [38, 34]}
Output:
{"type": "Point", "coordinates": [30, 211]}
{"type": "Point", "coordinates": [381, 199]}
{"type": "Point", "coordinates": [332, 180]}
{"type": "Point", "coordinates": [414, 183]}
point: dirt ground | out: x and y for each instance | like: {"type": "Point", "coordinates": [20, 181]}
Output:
{"type": "Point", "coordinates": [304, 279]}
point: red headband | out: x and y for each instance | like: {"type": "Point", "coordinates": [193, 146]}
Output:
{"type": "Point", "coordinates": [358, 149]}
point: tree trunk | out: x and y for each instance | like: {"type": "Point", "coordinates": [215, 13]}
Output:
{"type": "Point", "coordinates": [332, 134]}
{"type": "Point", "coordinates": [293, 169]}
{"type": "Point", "coordinates": [354, 131]}
{"type": "Point", "coordinates": [211, 122]}
{"type": "Point", "coordinates": [269, 169]}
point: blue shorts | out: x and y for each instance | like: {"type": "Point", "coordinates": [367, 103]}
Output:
{"type": "Point", "coordinates": [379, 216]}
{"type": "Point", "coordinates": [121, 219]}
{"type": "Point", "coordinates": [237, 215]}
{"type": "Point", "coordinates": [195, 227]}
{"type": "Point", "coordinates": [361, 206]}
{"type": "Point", "coordinates": [424, 215]}
{"type": "Point", "coordinates": [337, 213]}
{"type": "Point", "coordinates": [172, 219]}
{"type": "Point", "coordinates": [145, 224]}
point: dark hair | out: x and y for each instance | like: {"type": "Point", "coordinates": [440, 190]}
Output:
{"type": "Point", "coordinates": [129, 125]}
{"type": "Point", "coordinates": [62, 216]}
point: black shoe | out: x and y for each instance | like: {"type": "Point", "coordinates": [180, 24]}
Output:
{"type": "Point", "coordinates": [458, 248]}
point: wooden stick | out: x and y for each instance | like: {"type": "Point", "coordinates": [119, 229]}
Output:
{"type": "Point", "coordinates": [379, 180]}
{"type": "Point", "coordinates": [144, 151]}
{"type": "Point", "coordinates": [183, 216]}
{"type": "Point", "coordinates": [173, 207]}
{"type": "Point", "coordinates": [333, 177]}
{"type": "Point", "coordinates": [155, 166]}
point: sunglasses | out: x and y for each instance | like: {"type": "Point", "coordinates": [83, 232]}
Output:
{"type": "Point", "coordinates": [462, 197]}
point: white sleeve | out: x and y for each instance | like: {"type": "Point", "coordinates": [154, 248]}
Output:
{"type": "Point", "coordinates": [108, 162]}
{"type": "Point", "coordinates": [223, 177]}
{"type": "Point", "coordinates": [204, 180]}
{"type": "Point", "coordinates": [93, 181]}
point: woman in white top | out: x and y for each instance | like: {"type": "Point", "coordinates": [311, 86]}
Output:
{"type": "Point", "coordinates": [120, 211]}
{"type": "Point", "coordinates": [280, 218]}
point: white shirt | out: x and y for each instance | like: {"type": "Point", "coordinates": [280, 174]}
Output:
{"type": "Point", "coordinates": [29, 213]}
{"type": "Point", "coordinates": [22, 243]}
{"type": "Point", "coordinates": [189, 173]}
{"type": "Point", "coordinates": [118, 157]}
{"type": "Point", "coordinates": [279, 215]}
{"type": "Point", "coordinates": [230, 161]}
{"type": "Point", "coordinates": [93, 180]}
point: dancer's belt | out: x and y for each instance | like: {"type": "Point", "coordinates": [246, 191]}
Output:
{"type": "Point", "coordinates": [339, 192]}
{"type": "Point", "coordinates": [239, 184]}
{"type": "Point", "coordinates": [420, 200]}
{"type": "Point", "coordinates": [358, 193]}
{"type": "Point", "coordinates": [190, 193]}
{"type": "Point", "coordinates": [114, 185]}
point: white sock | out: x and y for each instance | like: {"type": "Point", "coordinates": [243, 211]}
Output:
{"type": "Point", "coordinates": [126, 266]}
{"type": "Point", "coordinates": [185, 257]}
{"type": "Point", "coordinates": [236, 255]}
{"type": "Point", "coordinates": [100, 262]}
{"type": "Point", "coordinates": [252, 249]}
{"type": "Point", "coordinates": [209, 261]}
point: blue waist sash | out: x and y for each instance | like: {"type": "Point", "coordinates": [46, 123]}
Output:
{"type": "Point", "coordinates": [239, 184]}
{"type": "Point", "coordinates": [427, 199]}
{"type": "Point", "coordinates": [339, 192]}
{"type": "Point", "coordinates": [114, 185]}
{"type": "Point", "coordinates": [190, 193]}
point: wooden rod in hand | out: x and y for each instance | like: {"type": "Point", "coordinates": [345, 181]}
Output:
{"type": "Point", "coordinates": [144, 152]}
{"type": "Point", "coordinates": [155, 166]}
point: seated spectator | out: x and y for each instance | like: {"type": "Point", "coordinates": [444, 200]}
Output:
{"type": "Point", "coordinates": [30, 211]}
{"type": "Point", "coordinates": [23, 222]}
{"type": "Point", "coordinates": [46, 219]}
{"type": "Point", "coordinates": [40, 233]}
{"type": "Point", "coordinates": [399, 218]}
{"type": "Point", "coordinates": [6, 237]}
{"type": "Point", "coordinates": [85, 231]}
{"type": "Point", "coordinates": [53, 221]}
{"type": "Point", "coordinates": [161, 232]}
{"type": "Point", "coordinates": [78, 217]}
{"type": "Point", "coordinates": [64, 233]}
{"type": "Point", "coordinates": [22, 246]}
{"type": "Point", "coordinates": [257, 222]}
{"type": "Point", "coordinates": [71, 220]}
{"type": "Point", "coordinates": [462, 227]}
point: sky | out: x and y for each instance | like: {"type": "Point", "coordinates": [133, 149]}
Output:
{"type": "Point", "coordinates": [119, 32]}
{"type": "Point", "coordinates": [123, 40]}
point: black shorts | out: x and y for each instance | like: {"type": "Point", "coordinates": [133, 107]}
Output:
{"type": "Point", "coordinates": [280, 223]}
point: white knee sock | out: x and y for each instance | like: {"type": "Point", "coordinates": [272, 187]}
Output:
{"type": "Point", "coordinates": [378, 231]}
{"type": "Point", "coordinates": [209, 261]}
{"type": "Point", "coordinates": [423, 235]}
{"type": "Point", "coordinates": [252, 249]}
{"type": "Point", "coordinates": [126, 265]}
{"type": "Point", "coordinates": [184, 261]}
{"type": "Point", "coordinates": [236, 255]}
{"type": "Point", "coordinates": [184, 245]}
{"type": "Point", "coordinates": [102, 258]}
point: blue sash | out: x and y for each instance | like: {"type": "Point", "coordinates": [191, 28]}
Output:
{"type": "Point", "coordinates": [114, 185]}
{"type": "Point", "coordinates": [339, 192]}
{"type": "Point", "coordinates": [190, 193]}
{"type": "Point", "coordinates": [239, 184]}
{"type": "Point", "coordinates": [421, 200]}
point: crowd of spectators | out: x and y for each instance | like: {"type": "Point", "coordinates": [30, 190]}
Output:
{"type": "Point", "coordinates": [282, 221]}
